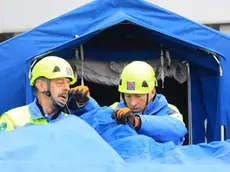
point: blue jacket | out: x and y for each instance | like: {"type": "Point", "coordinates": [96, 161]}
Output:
{"type": "Point", "coordinates": [158, 124]}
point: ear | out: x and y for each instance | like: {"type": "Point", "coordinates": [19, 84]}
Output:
{"type": "Point", "coordinates": [154, 91]}
{"type": "Point", "coordinates": [41, 85]}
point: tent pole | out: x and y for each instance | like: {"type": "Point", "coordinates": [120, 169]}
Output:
{"type": "Point", "coordinates": [189, 102]}
{"type": "Point", "coordinates": [82, 64]}
{"type": "Point", "coordinates": [222, 133]}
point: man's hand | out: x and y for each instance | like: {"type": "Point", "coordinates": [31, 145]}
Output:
{"type": "Point", "coordinates": [123, 115]}
{"type": "Point", "coordinates": [80, 94]}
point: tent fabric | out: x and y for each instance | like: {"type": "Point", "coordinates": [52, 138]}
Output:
{"type": "Point", "coordinates": [108, 72]}
{"type": "Point", "coordinates": [130, 30]}
{"type": "Point", "coordinates": [62, 146]}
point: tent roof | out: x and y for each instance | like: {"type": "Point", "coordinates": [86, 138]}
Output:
{"type": "Point", "coordinates": [100, 14]}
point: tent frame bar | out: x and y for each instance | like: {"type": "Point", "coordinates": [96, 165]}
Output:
{"type": "Point", "coordinates": [222, 133]}
{"type": "Point", "coordinates": [189, 103]}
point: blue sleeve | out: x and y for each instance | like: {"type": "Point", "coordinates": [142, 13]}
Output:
{"type": "Point", "coordinates": [163, 128]}
{"type": "Point", "coordinates": [91, 105]}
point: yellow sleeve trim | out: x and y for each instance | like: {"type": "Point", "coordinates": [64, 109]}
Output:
{"type": "Point", "coordinates": [16, 117]}
{"type": "Point", "coordinates": [114, 105]}
{"type": "Point", "coordinates": [174, 112]}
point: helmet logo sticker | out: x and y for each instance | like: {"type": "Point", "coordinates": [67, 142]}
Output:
{"type": "Point", "coordinates": [130, 85]}
{"type": "Point", "coordinates": [68, 71]}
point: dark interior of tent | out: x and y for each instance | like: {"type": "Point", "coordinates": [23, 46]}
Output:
{"type": "Point", "coordinates": [129, 41]}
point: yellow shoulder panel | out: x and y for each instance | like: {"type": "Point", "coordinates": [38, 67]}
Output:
{"type": "Point", "coordinates": [15, 118]}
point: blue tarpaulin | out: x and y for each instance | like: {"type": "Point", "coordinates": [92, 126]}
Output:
{"type": "Point", "coordinates": [119, 24]}
{"type": "Point", "coordinates": [135, 147]}
{"type": "Point", "coordinates": [71, 142]}
{"type": "Point", "coordinates": [71, 145]}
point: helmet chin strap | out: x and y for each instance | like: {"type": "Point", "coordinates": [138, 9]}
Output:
{"type": "Point", "coordinates": [147, 101]}
{"type": "Point", "coordinates": [57, 104]}
{"type": "Point", "coordinates": [146, 104]}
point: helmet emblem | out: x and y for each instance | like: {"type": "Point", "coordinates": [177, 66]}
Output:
{"type": "Point", "coordinates": [130, 85]}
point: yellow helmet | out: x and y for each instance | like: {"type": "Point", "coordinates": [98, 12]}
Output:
{"type": "Point", "coordinates": [52, 67]}
{"type": "Point", "coordinates": [137, 77]}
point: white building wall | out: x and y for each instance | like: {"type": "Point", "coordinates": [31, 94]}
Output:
{"type": "Point", "coordinates": [203, 11]}
{"type": "Point", "coordinates": [22, 15]}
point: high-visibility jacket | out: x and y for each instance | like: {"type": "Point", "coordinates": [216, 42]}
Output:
{"type": "Point", "coordinates": [161, 121]}
{"type": "Point", "coordinates": [25, 116]}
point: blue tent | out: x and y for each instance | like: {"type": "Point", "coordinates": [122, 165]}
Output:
{"type": "Point", "coordinates": [129, 30]}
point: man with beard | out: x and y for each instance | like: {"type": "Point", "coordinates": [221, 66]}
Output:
{"type": "Point", "coordinates": [51, 78]}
